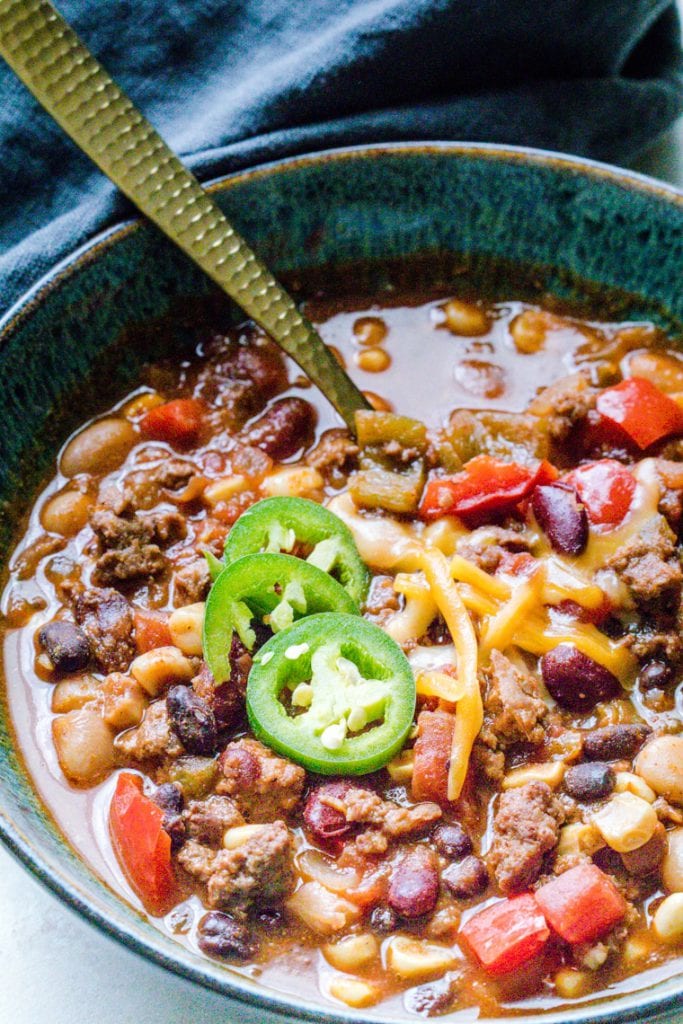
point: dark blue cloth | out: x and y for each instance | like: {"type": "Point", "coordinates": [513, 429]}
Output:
{"type": "Point", "coordinates": [231, 83]}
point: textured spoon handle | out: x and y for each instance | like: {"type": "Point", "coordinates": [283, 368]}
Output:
{"type": "Point", "coordinates": [75, 89]}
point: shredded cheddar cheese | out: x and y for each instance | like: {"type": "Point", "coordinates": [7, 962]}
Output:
{"type": "Point", "coordinates": [500, 630]}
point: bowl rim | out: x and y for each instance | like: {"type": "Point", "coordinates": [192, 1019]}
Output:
{"type": "Point", "coordinates": [186, 964]}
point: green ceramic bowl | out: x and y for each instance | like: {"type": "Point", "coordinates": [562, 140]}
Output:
{"type": "Point", "coordinates": [572, 220]}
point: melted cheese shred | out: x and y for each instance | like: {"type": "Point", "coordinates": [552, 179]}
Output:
{"type": "Point", "coordinates": [469, 714]}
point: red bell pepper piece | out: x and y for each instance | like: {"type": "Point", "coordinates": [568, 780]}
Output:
{"type": "Point", "coordinates": [432, 755]}
{"type": "Point", "coordinates": [141, 845]}
{"type": "Point", "coordinates": [485, 484]}
{"type": "Point", "coordinates": [606, 489]}
{"type": "Point", "coordinates": [581, 904]}
{"type": "Point", "coordinates": [507, 934]}
{"type": "Point", "coordinates": [178, 422]}
{"type": "Point", "coordinates": [641, 410]}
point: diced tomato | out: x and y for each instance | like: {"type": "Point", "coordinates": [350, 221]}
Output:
{"type": "Point", "coordinates": [507, 934]}
{"type": "Point", "coordinates": [484, 485]}
{"type": "Point", "coordinates": [606, 489]}
{"type": "Point", "coordinates": [141, 845]}
{"type": "Point", "coordinates": [432, 755]}
{"type": "Point", "coordinates": [641, 410]}
{"type": "Point", "coordinates": [581, 904]}
{"type": "Point", "coordinates": [151, 630]}
{"type": "Point", "coordinates": [517, 563]}
{"type": "Point", "coordinates": [178, 422]}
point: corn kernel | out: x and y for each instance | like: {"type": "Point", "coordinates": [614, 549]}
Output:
{"type": "Point", "coordinates": [629, 782]}
{"type": "Point", "coordinates": [142, 404]}
{"type": "Point", "coordinates": [185, 626]}
{"type": "Point", "coordinates": [550, 772]}
{"type": "Point", "coordinates": [240, 834]}
{"type": "Point", "coordinates": [401, 767]}
{"type": "Point", "coordinates": [352, 952]}
{"type": "Point", "coordinates": [414, 958]}
{"type": "Point", "coordinates": [570, 984]}
{"type": "Point", "coordinates": [354, 992]}
{"type": "Point", "coordinates": [465, 319]}
{"type": "Point", "coordinates": [579, 837]}
{"type": "Point", "coordinates": [292, 481]}
{"type": "Point", "coordinates": [372, 360]}
{"type": "Point", "coordinates": [667, 923]}
{"type": "Point", "coordinates": [626, 822]}
{"type": "Point", "coordinates": [635, 950]}
{"type": "Point", "coordinates": [155, 669]}
{"type": "Point", "coordinates": [223, 490]}
{"type": "Point", "coordinates": [369, 330]}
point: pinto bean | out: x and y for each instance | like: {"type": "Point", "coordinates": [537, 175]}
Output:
{"type": "Point", "coordinates": [66, 645]}
{"type": "Point", "coordinates": [283, 429]}
{"type": "Point", "coordinates": [223, 938]}
{"type": "Point", "coordinates": [414, 884]}
{"type": "Point", "coordinates": [614, 742]}
{"type": "Point", "coordinates": [192, 720]}
{"type": "Point", "coordinates": [466, 879]}
{"type": "Point", "coordinates": [98, 448]}
{"type": "Point", "coordinates": [591, 781]}
{"type": "Point", "coordinates": [562, 517]}
{"type": "Point", "coordinates": [452, 841]}
{"type": "Point", "coordinates": [576, 681]}
{"type": "Point", "coordinates": [325, 823]}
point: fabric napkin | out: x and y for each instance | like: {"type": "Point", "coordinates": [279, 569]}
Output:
{"type": "Point", "coordinates": [233, 83]}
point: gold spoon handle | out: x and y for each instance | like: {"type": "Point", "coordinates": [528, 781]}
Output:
{"type": "Point", "coordinates": [74, 88]}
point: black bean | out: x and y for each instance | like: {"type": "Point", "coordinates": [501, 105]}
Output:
{"type": "Point", "coordinates": [576, 681]}
{"type": "Point", "coordinates": [66, 645]}
{"type": "Point", "coordinates": [591, 781]}
{"type": "Point", "coordinates": [219, 936]}
{"type": "Point", "coordinates": [433, 998]}
{"type": "Point", "coordinates": [466, 879]}
{"type": "Point", "coordinates": [192, 719]}
{"type": "Point", "coordinates": [169, 797]}
{"type": "Point", "coordinates": [656, 675]}
{"type": "Point", "coordinates": [614, 742]}
{"type": "Point", "coordinates": [284, 428]}
{"type": "Point", "coordinates": [562, 517]}
{"type": "Point", "coordinates": [414, 884]}
{"type": "Point", "coordinates": [452, 841]}
{"type": "Point", "coordinates": [383, 920]}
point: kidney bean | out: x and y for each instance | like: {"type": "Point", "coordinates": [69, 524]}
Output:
{"type": "Point", "coordinates": [285, 427]}
{"type": "Point", "coordinates": [591, 781]}
{"type": "Point", "coordinates": [325, 823]}
{"type": "Point", "coordinates": [223, 938]}
{"type": "Point", "coordinates": [169, 797]}
{"type": "Point", "coordinates": [468, 878]}
{"type": "Point", "coordinates": [383, 920]}
{"type": "Point", "coordinates": [452, 841]}
{"type": "Point", "coordinates": [192, 720]}
{"type": "Point", "coordinates": [561, 516]}
{"type": "Point", "coordinates": [614, 742]}
{"type": "Point", "coordinates": [656, 675]}
{"type": "Point", "coordinates": [66, 645]}
{"type": "Point", "coordinates": [576, 681]}
{"type": "Point", "coordinates": [414, 884]}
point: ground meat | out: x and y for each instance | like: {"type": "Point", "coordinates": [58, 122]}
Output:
{"type": "Point", "coordinates": [152, 739]}
{"type": "Point", "coordinates": [525, 828]}
{"type": "Point", "coordinates": [566, 403]}
{"type": "Point", "coordinates": [649, 564]}
{"type": "Point", "coordinates": [335, 456]}
{"type": "Point", "coordinates": [239, 379]}
{"type": "Point", "coordinates": [191, 582]}
{"type": "Point", "coordinates": [260, 872]}
{"type": "Point", "coordinates": [263, 785]}
{"type": "Point", "coordinates": [131, 548]}
{"type": "Point", "coordinates": [663, 645]}
{"type": "Point", "coordinates": [671, 498]}
{"type": "Point", "coordinates": [382, 601]}
{"type": "Point", "coordinates": [208, 820]}
{"type": "Point", "coordinates": [197, 860]}
{"type": "Point", "coordinates": [141, 489]}
{"type": "Point", "coordinates": [227, 700]}
{"type": "Point", "coordinates": [364, 807]}
{"type": "Point", "coordinates": [107, 620]}
{"type": "Point", "coordinates": [488, 546]}
{"type": "Point", "coordinates": [513, 713]}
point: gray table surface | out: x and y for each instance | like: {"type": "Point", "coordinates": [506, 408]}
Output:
{"type": "Point", "coordinates": [58, 969]}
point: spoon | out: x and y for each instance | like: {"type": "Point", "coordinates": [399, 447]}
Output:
{"type": "Point", "coordinates": [49, 58]}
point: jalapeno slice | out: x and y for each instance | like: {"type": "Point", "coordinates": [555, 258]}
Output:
{"type": "Point", "coordinates": [280, 524]}
{"type": "Point", "coordinates": [272, 589]}
{"type": "Point", "coordinates": [335, 694]}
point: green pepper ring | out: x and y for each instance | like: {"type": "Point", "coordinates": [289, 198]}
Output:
{"type": "Point", "coordinates": [374, 652]}
{"type": "Point", "coordinates": [251, 579]}
{"type": "Point", "coordinates": [311, 523]}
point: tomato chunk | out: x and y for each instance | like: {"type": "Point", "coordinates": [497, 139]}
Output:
{"type": "Point", "coordinates": [178, 422]}
{"type": "Point", "coordinates": [606, 489]}
{"type": "Point", "coordinates": [141, 845]}
{"type": "Point", "coordinates": [432, 755]}
{"type": "Point", "coordinates": [641, 410]}
{"type": "Point", "coordinates": [504, 936]}
{"type": "Point", "coordinates": [484, 485]}
{"type": "Point", "coordinates": [151, 630]}
{"type": "Point", "coordinates": [581, 904]}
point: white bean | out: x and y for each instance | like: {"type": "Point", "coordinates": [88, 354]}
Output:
{"type": "Point", "coordinates": [84, 745]}
{"type": "Point", "coordinates": [672, 865]}
{"type": "Point", "coordinates": [660, 763]}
